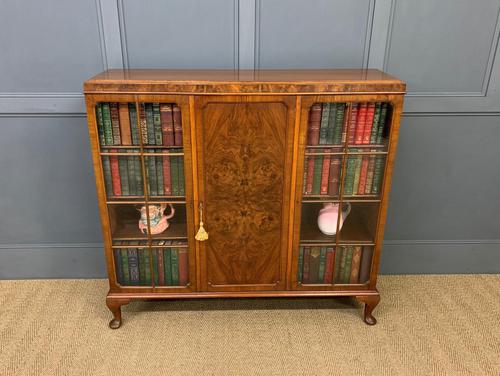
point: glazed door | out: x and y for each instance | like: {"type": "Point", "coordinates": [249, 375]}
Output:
{"type": "Point", "coordinates": [244, 148]}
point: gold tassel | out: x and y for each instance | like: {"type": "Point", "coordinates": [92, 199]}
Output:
{"type": "Point", "coordinates": [202, 234]}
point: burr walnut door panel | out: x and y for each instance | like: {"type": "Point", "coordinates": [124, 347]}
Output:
{"type": "Point", "coordinates": [244, 165]}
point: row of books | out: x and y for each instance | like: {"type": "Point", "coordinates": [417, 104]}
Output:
{"type": "Point", "coordinates": [352, 264]}
{"type": "Point", "coordinates": [160, 124]}
{"type": "Point", "coordinates": [170, 264]}
{"type": "Point", "coordinates": [329, 125]}
{"type": "Point", "coordinates": [123, 175]}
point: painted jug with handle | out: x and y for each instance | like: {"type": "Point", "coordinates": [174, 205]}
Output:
{"type": "Point", "coordinates": [328, 216]}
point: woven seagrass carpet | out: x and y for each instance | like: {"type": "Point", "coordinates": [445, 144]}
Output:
{"type": "Point", "coordinates": [427, 325]}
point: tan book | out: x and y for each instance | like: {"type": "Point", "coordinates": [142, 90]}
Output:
{"type": "Point", "coordinates": [124, 124]}
{"type": "Point", "coordinates": [356, 262]}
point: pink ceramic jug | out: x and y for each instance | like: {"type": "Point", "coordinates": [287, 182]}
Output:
{"type": "Point", "coordinates": [158, 222]}
{"type": "Point", "coordinates": [327, 218]}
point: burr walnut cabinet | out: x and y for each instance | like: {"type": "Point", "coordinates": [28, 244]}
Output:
{"type": "Point", "coordinates": [210, 182]}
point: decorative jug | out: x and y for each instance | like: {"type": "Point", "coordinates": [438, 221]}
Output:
{"type": "Point", "coordinates": [327, 218]}
{"type": "Point", "coordinates": [158, 222]}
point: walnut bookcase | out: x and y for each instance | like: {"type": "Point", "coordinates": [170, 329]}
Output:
{"type": "Point", "coordinates": [255, 155]}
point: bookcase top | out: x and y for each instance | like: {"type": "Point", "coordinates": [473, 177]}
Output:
{"type": "Point", "coordinates": [214, 81]}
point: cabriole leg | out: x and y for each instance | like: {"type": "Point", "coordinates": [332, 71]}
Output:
{"type": "Point", "coordinates": [371, 302]}
{"type": "Point", "coordinates": [114, 306]}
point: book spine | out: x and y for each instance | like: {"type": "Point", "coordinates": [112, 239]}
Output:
{"type": "Point", "coordinates": [100, 123]}
{"type": "Point", "coordinates": [167, 124]}
{"type": "Point", "coordinates": [377, 174]}
{"type": "Point", "coordinates": [142, 266]}
{"type": "Point", "coordinates": [307, 254]}
{"type": "Point", "coordinates": [310, 175]}
{"type": "Point", "coordinates": [357, 174]}
{"type": "Point", "coordinates": [322, 265]}
{"type": "Point", "coordinates": [323, 130]}
{"type": "Point", "coordinates": [157, 124]}
{"type": "Point", "coordinates": [376, 123]}
{"type": "Point", "coordinates": [167, 262]}
{"type": "Point", "coordinates": [314, 259]}
{"type": "Point", "coordinates": [139, 184]}
{"type": "Point", "coordinates": [122, 165]}
{"type": "Point", "coordinates": [175, 266]}
{"type": "Point", "coordinates": [363, 174]}
{"type": "Point", "coordinates": [329, 266]}
{"type": "Point", "coordinates": [318, 168]}
{"type": "Point", "coordinates": [332, 125]}
{"type": "Point", "coordinates": [183, 267]}
{"type": "Point", "coordinates": [125, 267]}
{"type": "Point", "coordinates": [167, 184]}
{"type": "Point", "coordinates": [349, 175]}
{"type": "Point", "coordinates": [304, 177]}
{"type": "Point", "coordinates": [132, 183]}
{"type": "Point", "coordinates": [133, 265]}
{"type": "Point", "coordinates": [370, 111]}
{"type": "Point", "coordinates": [356, 260]}
{"type": "Point", "coordinates": [352, 124]}
{"type": "Point", "coordinates": [324, 173]}
{"type": "Point", "coordinates": [150, 124]}
{"type": "Point", "coordinates": [176, 114]}
{"type": "Point", "coordinates": [314, 124]}
{"type": "Point", "coordinates": [174, 175]}
{"type": "Point", "coordinates": [118, 265]}
{"type": "Point", "coordinates": [159, 173]}
{"type": "Point", "coordinates": [161, 267]}
{"type": "Point", "coordinates": [339, 124]}
{"type": "Point", "coordinates": [134, 130]}
{"type": "Point", "coordinates": [339, 277]}
{"type": "Point", "coordinates": [345, 125]}
{"type": "Point", "coordinates": [369, 175]}
{"type": "Point", "coordinates": [106, 170]}
{"type": "Point", "coordinates": [334, 175]}
{"type": "Point", "coordinates": [115, 174]}
{"type": "Point", "coordinates": [360, 124]}
{"type": "Point", "coordinates": [182, 188]}
{"type": "Point", "coordinates": [300, 264]}
{"type": "Point", "coordinates": [124, 121]}
{"type": "Point", "coordinates": [115, 123]}
{"type": "Point", "coordinates": [147, 267]}
{"type": "Point", "coordinates": [143, 124]}
{"type": "Point", "coordinates": [383, 122]}
{"type": "Point", "coordinates": [108, 127]}
{"type": "Point", "coordinates": [152, 180]}
{"type": "Point", "coordinates": [366, 264]}
{"type": "Point", "coordinates": [348, 263]}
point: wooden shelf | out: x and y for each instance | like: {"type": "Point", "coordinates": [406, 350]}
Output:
{"type": "Point", "coordinates": [129, 230]}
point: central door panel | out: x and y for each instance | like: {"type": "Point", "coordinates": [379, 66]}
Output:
{"type": "Point", "coordinates": [245, 152]}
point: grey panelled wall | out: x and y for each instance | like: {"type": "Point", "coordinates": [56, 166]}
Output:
{"type": "Point", "coordinates": [442, 215]}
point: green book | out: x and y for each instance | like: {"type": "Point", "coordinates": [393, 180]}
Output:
{"type": "Point", "coordinates": [376, 123]}
{"type": "Point", "coordinates": [106, 170]}
{"type": "Point", "coordinates": [314, 258]}
{"type": "Point", "coordinates": [382, 122]}
{"type": "Point", "coordinates": [125, 268]}
{"type": "Point", "coordinates": [108, 128]}
{"type": "Point", "coordinates": [175, 266]}
{"type": "Point", "coordinates": [155, 266]}
{"type": "Point", "coordinates": [147, 266]}
{"type": "Point", "coordinates": [123, 168]}
{"type": "Point", "coordinates": [150, 124]}
{"type": "Point", "coordinates": [174, 175]}
{"type": "Point", "coordinates": [322, 264]}
{"type": "Point", "coordinates": [157, 124]}
{"type": "Point", "coordinates": [349, 174]}
{"type": "Point", "coordinates": [339, 124]}
{"type": "Point", "coordinates": [134, 131]}
{"type": "Point", "coordinates": [331, 123]}
{"type": "Point", "coordinates": [142, 267]}
{"type": "Point", "coordinates": [377, 174]}
{"type": "Point", "coordinates": [132, 182]}
{"type": "Point", "coordinates": [300, 264]}
{"type": "Point", "coordinates": [180, 164]}
{"type": "Point", "coordinates": [318, 170]}
{"type": "Point", "coordinates": [323, 129]}
{"type": "Point", "coordinates": [152, 179]}
{"type": "Point", "coordinates": [348, 262]}
{"type": "Point", "coordinates": [357, 173]}
{"type": "Point", "coordinates": [338, 261]}
{"type": "Point", "coordinates": [118, 264]}
{"type": "Point", "coordinates": [159, 173]}
{"type": "Point", "coordinates": [167, 265]}
{"type": "Point", "coordinates": [139, 184]}
{"type": "Point", "coordinates": [100, 124]}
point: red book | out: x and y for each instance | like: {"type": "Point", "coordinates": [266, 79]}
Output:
{"type": "Point", "coordinates": [363, 174]}
{"type": "Point", "coordinates": [310, 175]}
{"type": "Point", "coordinates": [314, 124]}
{"type": "Point", "coordinates": [167, 181]}
{"type": "Point", "coordinates": [183, 267]}
{"type": "Point", "coordinates": [370, 112]}
{"type": "Point", "coordinates": [167, 124]}
{"type": "Point", "coordinates": [305, 273]}
{"type": "Point", "coordinates": [360, 124]}
{"type": "Point", "coordinates": [177, 125]}
{"type": "Point", "coordinates": [329, 266]}
{"type": "Point", "coordinates": [115, 174]}
{"type": "Point", "coordinates": [161, 267]}
{"type": "Point", "coordinates": [334, 174]}
{"type": "Point", "coordinates": [324, 173]}
{"type": "Point", "coordinates": [352, 123]}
